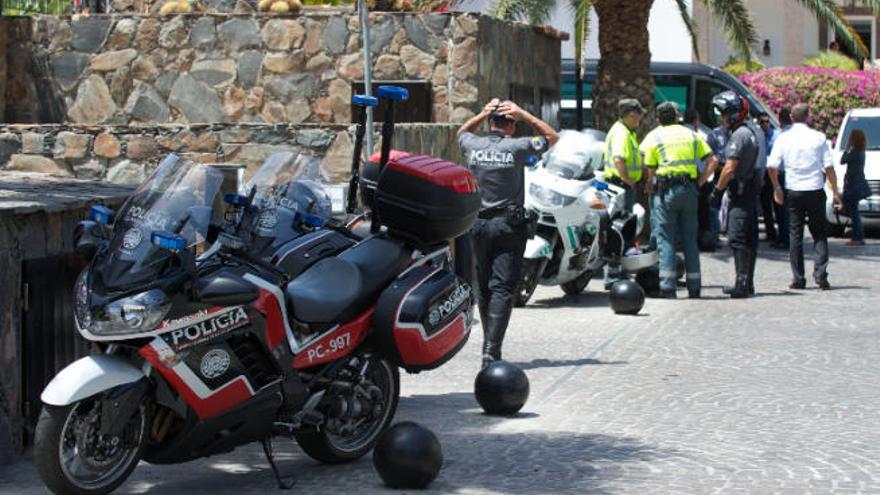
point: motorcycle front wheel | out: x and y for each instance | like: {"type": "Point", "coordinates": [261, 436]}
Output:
{"type": "Point", "coordinates": [528, 282]}
{"type": "Point", "coordinates": [73, 457]}
{"type": "Point", "coordinates": [350, 437]}
{"type": "Point", "coordinates": [576, 286]}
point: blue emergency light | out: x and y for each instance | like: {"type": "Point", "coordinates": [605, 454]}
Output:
{"type": "Point", "coordinates": [167, 240]}
{"type": "Point", "coordinates": [101, 214]}
{"type": "Point", "coordinates": [600, 185]}
{"type": "Point", "coordinates": [394, 93]}
{"type": "Point", "coordinates": [365, 101]}
{"type": "Point", "coordinates": [235, 199]}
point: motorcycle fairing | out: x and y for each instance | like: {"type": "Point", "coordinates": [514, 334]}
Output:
{"type": "Point", "coordinates": [538, 247]}
{"type": "Point", "coordinates": [335, 343]}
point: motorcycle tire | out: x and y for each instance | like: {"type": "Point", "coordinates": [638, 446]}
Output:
{"type": "Point", "coordinates": [322, 445]}
{"type": "Point", "coordinates": [577, 286]}
{"type": "Point", "coordinates": [49, 439]}
{"type": "Point", "coordinates": [528, 283]}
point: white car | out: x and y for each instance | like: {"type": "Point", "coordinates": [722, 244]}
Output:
{"type": "Point", "coordinates": [868, 120]}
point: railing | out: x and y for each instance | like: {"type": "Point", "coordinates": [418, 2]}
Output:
{"type": "Point", "coordinates": [31, 7]}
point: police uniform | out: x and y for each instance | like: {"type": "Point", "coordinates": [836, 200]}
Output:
{"type": "Point", "coordinates": [622, 142]}
{"type": "Point", "coordinates": [742, 219]}
{"type": "Point", "coordinates": [499, 234]}
{"type": "Point", "coordinates": [675, 152]}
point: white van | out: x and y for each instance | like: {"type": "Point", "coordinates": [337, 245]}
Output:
{"type": "Point", "coordinates": [868, 120]}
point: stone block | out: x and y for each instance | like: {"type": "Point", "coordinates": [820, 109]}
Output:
{"type": "Point", "coordinates": [293, 86]}
{"type": "Point", "coordinates": [200, 157]}
{"type": "Point", "coordinates": [417, 63]}
{"type": "Point", "coordinates": [284, 63]}
{"type": "Point", "coordinates": [146, 105]}
{"type": "Point", "coordinates": [464, 94]}
{"type": "Point", "coordinates": [203, 34]}
{"type": "Point", "coordinates": [173, 33]}
{"type": "Point", "coordinates": [69, 145]}
{"type": "Point", "coordinates": [147, 37]}
{"type": "Point", "coordinates": [388, 67]}
{"type": "Point", "coordinates": [88, 34]}
{"type": "Point", "coordinates": [37, 163]}
{"type": "Point", "coordinates": [67, 68]}
{"type": "Point", "coordinates": [107, 146]}
{"type": "Point", "coordinates": [144, 69]}
{"type": "Point", "coordinates": [109, 61]}
{"type": "Point", "coordinates": [236, 135]}
{"type": "Point", "coordinates": [462, 114]}
{"type": "Point", "coordinates": [90, 170]}
{"type": "Point", "coordinates": [93, 104]}
{"type": "Point", "coordinates": [298, 111]}
{"type": "Point", "coordinates": [141, 148]}
{"type": "Point", "coordinates": [120, 85]}
{"type": "Point", "coordinates": [335, 35]}
{"type": "Point", "coordinates": [465, 63]}
{"type": "Point", "coordinates": [314, 36]}
{"type": "Point", "coordinates": [340, 100]}
{"type": "Point", "coordinates": [416, 32]}
{"type": "Point", "coordinates": [319, 63]}
{"type": "Point", "coordinates": [122, 34]}
{"type": "Point", "coordinates": [350, 67]}
{"type": "Point", "coordinates": [127, 172]}
{"type": "Point", "coordinates": [233, 103]}
{"type": "Point", "coordinates": [283, 34]}
{"type": "Point", "coordinates": [382, 30]}
{"type": "Point", "coordinates": [197, 102]}
{"type": "Point", "coordinates": [254, 100]}
{"type": "Point", "coordinates": [217, 73]}
{"type": "Point", "coordinates": [33, 143]}
{"type": "Point", "coordinates": [10, 144]}
{"type": "Point", "coordinates": [249, 65]}
{"type": "Point", "coordinates": [205, 142]}
{"type": "Point", "coordinates": [274, 112]}
{"type": "Point", "coordinates": [240, 33]}
{"type": "Point", "coordinates": [314, 138]}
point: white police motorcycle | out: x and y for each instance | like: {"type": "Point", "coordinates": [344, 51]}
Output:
{"type": "Point", "coordinates": [579, 221]}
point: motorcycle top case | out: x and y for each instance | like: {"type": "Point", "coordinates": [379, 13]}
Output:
{"type": "Point", "coordinates": [423, 318]}
{"type": "Point", "coordinates": [426, 200]}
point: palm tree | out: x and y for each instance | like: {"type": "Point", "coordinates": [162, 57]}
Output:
{"type": "Point", "coordinates": [624, 54]}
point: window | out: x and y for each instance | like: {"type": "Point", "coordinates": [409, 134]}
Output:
{"type": "Point", "coordinates": [672, 88]}
{"type": "Point", "coordinates": [706, 90]}
{"type": "Point", "coordinates": [419, 107]}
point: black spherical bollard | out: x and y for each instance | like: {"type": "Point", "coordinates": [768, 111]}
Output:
{"type": "Point", "coordinates": [501, 388]}
{"type": "Point", "coordinates": [408, 455]}
{"type": "Point", "coordinates": [627, 297]}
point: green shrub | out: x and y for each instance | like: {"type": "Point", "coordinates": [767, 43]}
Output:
{"type": "Point", "coordinates": [832, 60]}
{"type": "Point", "coordinates": [739, 67]}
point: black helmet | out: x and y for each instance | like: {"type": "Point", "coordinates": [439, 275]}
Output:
{"type": "Point", "coordinates": [732, 107]}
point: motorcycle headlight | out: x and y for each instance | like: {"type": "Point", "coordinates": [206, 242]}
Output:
{"type": "Point", "coordinates": [549, 198]}
{"type": "Point", "coordinates": [135, 314]}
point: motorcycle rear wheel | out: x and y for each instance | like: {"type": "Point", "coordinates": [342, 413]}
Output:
{"type": "Point", "coordinates": [577, 286]}
{"type": "Point", "coordinates": [73, 458]}
{"type": "Point", "coordinates": [325, 446]}
{"type": "Point", "coordinates": [528, 282]}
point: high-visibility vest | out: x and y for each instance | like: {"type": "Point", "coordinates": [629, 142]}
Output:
{"type": "Point", "coordinates": [622, 143]}
{"type": "Point", "coordinates": [674, 150]}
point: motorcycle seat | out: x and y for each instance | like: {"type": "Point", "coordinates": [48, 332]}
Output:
{"type": "Point", "coordinates": [337, 289]}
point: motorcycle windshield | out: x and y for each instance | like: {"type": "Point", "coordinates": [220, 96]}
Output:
{"type": "Point", "coordinates": [177, 199]}
{"type": "Point", "coordinates": [576, 155]}
{"type": "Point", "coordinates": [284, 204]}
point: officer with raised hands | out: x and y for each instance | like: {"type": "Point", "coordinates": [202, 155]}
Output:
{"type": "Point", "coordinates": [497, 159]}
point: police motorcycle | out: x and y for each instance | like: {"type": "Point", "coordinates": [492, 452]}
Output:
{"type": "Point", "coordinates": [198, 350]}
{"type": "Point", "coordinates": [580, 222]}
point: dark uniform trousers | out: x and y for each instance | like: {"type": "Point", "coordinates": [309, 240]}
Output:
{"type": "Point", "coordinates": [499, 244]}
{"type": "Point", "coordinates": [742, 233]}
{"type": "Point", "coordinates": [807, 207]}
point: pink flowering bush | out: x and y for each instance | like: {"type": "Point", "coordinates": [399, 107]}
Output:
{"type": "Point", "coordinates": [829, 92]}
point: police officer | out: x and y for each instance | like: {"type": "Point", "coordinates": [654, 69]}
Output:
{"type": "Point", "coordinates": [672, 157]}
{"type": "Point", "coordinates": [623, 164]}
{"type": "Point", "coordinates": [744, 150]}
{"type": "Point", "coordinates": [498, 160]}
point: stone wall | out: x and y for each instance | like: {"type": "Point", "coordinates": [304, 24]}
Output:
{"type": "Point", "coordinates": [211, 68]}
{"type": "Point", "coordinates": [126, 154]}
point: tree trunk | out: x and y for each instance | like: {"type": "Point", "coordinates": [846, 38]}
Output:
{"type": "Point", "coordinates": [624, 61]}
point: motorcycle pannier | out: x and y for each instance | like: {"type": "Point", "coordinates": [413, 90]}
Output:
{"type": "Point", "coordinates": [426, 200]}
{"type": "Point", "coordinates": [423, 318]}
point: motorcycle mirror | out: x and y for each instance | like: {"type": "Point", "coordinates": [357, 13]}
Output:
{"type": "Point", "coordinates": [87, 235]}
{"type": "Point", "coordinates": [101, 215]}
{"type": "Point", "coordinates": [169, 241]}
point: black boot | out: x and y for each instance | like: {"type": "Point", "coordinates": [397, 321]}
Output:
{"type": "Point", "coordinates": [493, 335]}
{"type": "Point", "coordinates": [753, 260]}
{"type": "Point", "coordinates": [741, 260]}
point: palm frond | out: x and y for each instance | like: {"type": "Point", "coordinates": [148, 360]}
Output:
{"type": "Point", "coordinates": [737, 22]}
{"type": "Point", "coordinates": [581, 33]}
{"type": "Point", "coordinates": [689, 25]}
{"type": "Point", "coordinates": [829, 11]}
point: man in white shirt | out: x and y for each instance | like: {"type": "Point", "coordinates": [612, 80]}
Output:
{"type": "Point", "coordinates": [806, 157]}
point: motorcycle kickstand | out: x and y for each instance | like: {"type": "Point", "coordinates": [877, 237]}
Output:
{"type": "Point", "coordinates": [270, 456]}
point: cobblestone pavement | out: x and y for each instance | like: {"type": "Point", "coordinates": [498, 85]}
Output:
{"type": "Point", "coordinates": [766, 395]}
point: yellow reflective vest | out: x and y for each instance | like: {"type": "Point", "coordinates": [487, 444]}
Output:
{"type": "Point", "coordinates": [622, 143]}
{"type": "Point", "coordinates": [674, 150]}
